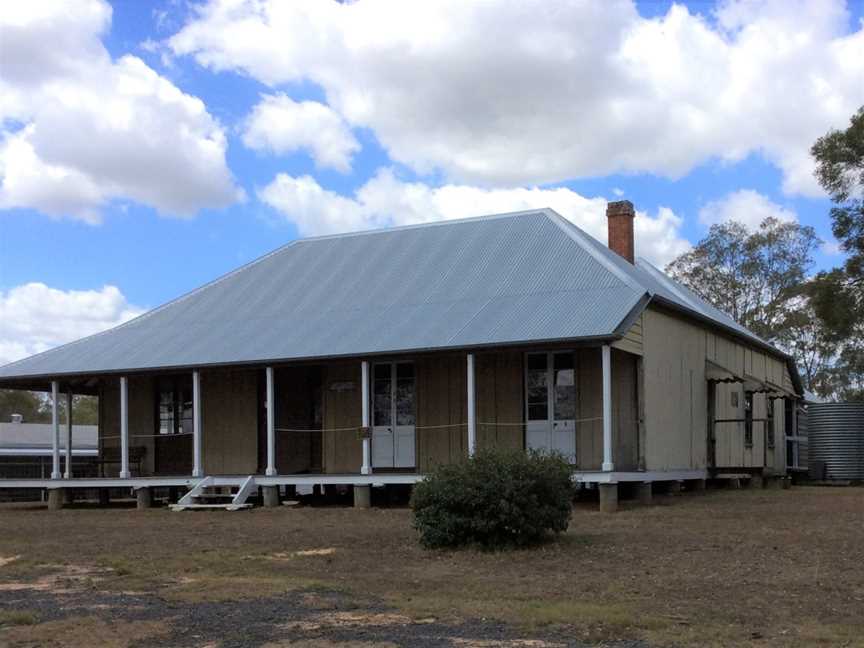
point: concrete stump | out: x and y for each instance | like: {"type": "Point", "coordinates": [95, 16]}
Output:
{"type": "Point", "coordinates": [674, 488]}
{"type": "Point", "coordinates": [787, 483]}
{"type": "Point", "coordinates": [757, 481]}
{"type": "Point", "coordinates": [104, 497]}
{"type": "Point", "coordinates": [56, 497]}
{"type": "Point", "coordinates": [362, 497]}
{"type": "Point", "coordinates": [644, 493]}
{"type": "Point", "coordinates": [608, 498]}
{"type": "Point", "coordinates": [774, 483]}
{"type": "Point", "coordinates": [270, 495]}
{"type": "Point", "coordinates": [143, 498]}
{"type": "Point", "coordinates": [733, 483]}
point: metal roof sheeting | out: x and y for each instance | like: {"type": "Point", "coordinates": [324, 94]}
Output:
{"type": "Point", "coordinates": [510, 278]}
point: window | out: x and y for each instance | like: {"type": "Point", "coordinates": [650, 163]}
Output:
{"type": "Point", "coordinates": [166, 412]}
{"type": "Point", "coordinates": [748, 419]}
{"type": "Point", "coordinates": [537, 387]}
{"type": "Point", "coordinates": [789, 418]}
{"type": "Point", "coordinates": [565, 387]}
{"type": "Point", "coordinates": [175, 412]}
{"type": "Point", "coordinates": [382, 395]}
{"type": "Point", "coordinates": [405, 394]}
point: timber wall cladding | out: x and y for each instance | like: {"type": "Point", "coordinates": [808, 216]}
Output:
{"type": "Point", "coordinates": [229, 421]}
{"type": "Point", "coordinates": [343, 450]}
{"type": "Point", "coordinates": [625, 408]}
{"type": "Point", "coordinates": [500, 417]}
{"type": "Point", "coordinates": [675, 393]}
{"type": "Point", "coordinates": [142, 425]}
{"type": "Point", "coordinates": [297, 390]}
{"type": "Point", "coordinates": [632, 342]}
{"type": "Point", "coordinates": [731, 451]}
{"type": "Point", "coordinates": [441, 401]}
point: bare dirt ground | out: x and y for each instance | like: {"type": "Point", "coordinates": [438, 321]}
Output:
{"type": "Point", "coordinates": [730, 568]}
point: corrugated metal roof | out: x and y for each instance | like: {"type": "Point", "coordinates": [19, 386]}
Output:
{"type": "Point", "coordinates": [522, 277]}
{"type": "Point", "coordinates": [30, 436]}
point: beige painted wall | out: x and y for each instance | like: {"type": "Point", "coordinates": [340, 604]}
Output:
{"type": "Point", "coordinates": [676, 396]}
{"type": "Point", "coordinates": [229, 421]}
{"type": "Point", "coordinates": [343, 449]}
{"type": "Point", "coordinates": [675, 393]}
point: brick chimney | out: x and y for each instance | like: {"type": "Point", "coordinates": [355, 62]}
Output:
{"type": "Point", "coordinates": [619, 216]}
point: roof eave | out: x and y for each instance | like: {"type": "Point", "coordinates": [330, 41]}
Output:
{"type": "Point", "coordinates": [25, 381]}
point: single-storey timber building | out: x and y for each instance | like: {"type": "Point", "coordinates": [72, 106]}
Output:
{"type": "Point", "coordinates": [365, 359]}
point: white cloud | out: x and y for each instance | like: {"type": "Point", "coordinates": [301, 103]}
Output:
{"type": "Point", "coordinates": [511, 93]}
{"type": "Point", "coordinates": [281, 125]}
{"type": "Point", "coordinates": [35, 318]}
{"type": "Point", "coordinates": [745, 206]}
{"type": "Point", "coordinates": [95, 129]}
{"type": "Point", "coordinates": [831, 247]}
{"type": "Point", "coordinates": [385, 200]}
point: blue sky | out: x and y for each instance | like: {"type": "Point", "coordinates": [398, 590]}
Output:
{"type": "Point", "coordinates": [151, 256]}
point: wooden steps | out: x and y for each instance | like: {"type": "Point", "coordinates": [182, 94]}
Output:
{"type": "Point", "coordinates": [205, 496]}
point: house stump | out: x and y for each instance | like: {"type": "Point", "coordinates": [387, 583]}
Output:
{"type": "Point", "coordinates": [645, 493]}
{"type": "Point", "coordinates": [362, 497]}
{"type": "Point", "coordinates": [608, 498]}
{"type": "Point", "coordinates": [56, 498]}
{"type": "Point", "coordinates": [143, 498]}
{"type": "Point", "coordinates": [270, 495]}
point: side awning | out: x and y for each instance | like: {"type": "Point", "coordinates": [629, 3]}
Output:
{"type": "Point", "coordinates": [780, 392]}
{"type": "Point", "coordinates": [718, 373]}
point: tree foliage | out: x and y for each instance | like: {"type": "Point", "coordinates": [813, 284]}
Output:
{"type": "Point", "coordinates": [35, 407]}
{"type": "Point", "coordinates": [838, 294]}
{"type": "Point", "coordinates": [755, 277]}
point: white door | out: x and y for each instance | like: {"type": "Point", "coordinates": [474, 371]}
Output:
{"type": "Point", "coordinates": [393, 415]}
{"type": "Point", "coordinates": [550, 393]}
{"type": "Point", "coordinates": [564, 405]}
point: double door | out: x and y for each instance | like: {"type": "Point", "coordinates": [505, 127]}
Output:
{"type": "Point", "coordinates": [550, 393]}
{"type": "Point", "coordinates": [393, 415]}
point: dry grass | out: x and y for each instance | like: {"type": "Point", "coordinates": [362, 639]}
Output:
{"type": "Point", "coordinates": [756, 568]}
{"type": "Point", "coordinates": [18, 617]}
{"type": "Point", "coordinates": [82, 631]}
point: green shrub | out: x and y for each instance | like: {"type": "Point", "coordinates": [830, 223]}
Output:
{"type": "Point", "coordinates": [494, 500]}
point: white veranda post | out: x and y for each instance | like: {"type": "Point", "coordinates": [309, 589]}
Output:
{"type": "Point", "coordinates": [197, 470]}
{"type": "Point", "coordinates": [608, 464]}
{"type": "Point", "coordinates": [366, 468]}
{"type": "Point", "coordinates": [55, 424]}
{"type": "Point", "coordinates": [271, 424]}
{"type": "Point", "coordinates": [124, 428]}
{"type": "Point", "coordinates": [472, 409]}
{"type": "Point", "coordinates": [68, 467]}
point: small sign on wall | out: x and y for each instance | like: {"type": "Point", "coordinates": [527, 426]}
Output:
{"type": "Point", "coordinates": [343, 386]}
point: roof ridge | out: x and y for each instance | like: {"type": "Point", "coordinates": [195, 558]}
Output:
{"type": "Point", "coordinates": [586, 242]}
{"type": "Point", "coordinates": [410, 226]}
